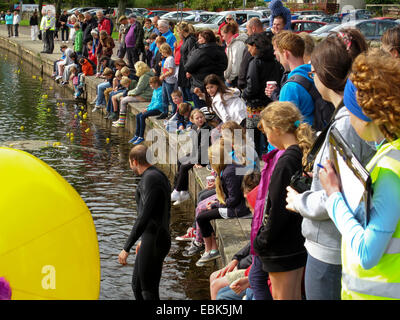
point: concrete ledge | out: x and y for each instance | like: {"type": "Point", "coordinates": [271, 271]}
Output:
{"type": "Point", "coordinates": [232, 234]}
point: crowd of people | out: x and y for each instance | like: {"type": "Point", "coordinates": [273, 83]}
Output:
{"type": "Point", "coordinates": [284, 94]}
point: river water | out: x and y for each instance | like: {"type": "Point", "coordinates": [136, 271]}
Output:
{"type": "Point", "coordinates": [98, 170]}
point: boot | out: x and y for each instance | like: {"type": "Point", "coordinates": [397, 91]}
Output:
{"type": "Point", "coordinates": [120, 123]}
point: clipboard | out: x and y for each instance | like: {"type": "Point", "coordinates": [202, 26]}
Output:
{"type": "Point", "coordinates": [356, 183]}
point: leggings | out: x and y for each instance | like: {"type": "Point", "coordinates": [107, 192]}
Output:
{"type": "Point", "coordinates": [204, 218]}
{"type": "Point", "coordinates": [258, 279]}
{"type": "Point", "coordinates": [148, 265]}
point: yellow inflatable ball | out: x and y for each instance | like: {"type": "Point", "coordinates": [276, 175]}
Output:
{"type": "Point", "coordinates": [48, 241]}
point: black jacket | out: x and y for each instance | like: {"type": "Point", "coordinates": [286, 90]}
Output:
{"type": "Point", "coordinates": [208, 58]}
{"type": "Point", "coordinates": [203, 143]}
{"type": "Point", "coordinates": [244, 257]}
{"type": "Point", "coordinates": [189, 43]}
{"type": "Point", "coordinates": [90, 25]}
{"type": "Point", "coordinates": [280, 238]}
{"type": "Point", "coordinates": [276, 93]}
{"type": "Point", "coordinates": [232, 186]}
{"type": "Point", "coordinates": [261, 69]}
{"type": "Point", "coordinates": [242, 77]}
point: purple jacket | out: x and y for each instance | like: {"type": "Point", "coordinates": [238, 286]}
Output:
{"type": "Point", "coordinates": [270, 159]}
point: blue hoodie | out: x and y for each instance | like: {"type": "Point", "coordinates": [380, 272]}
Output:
{"type": "Point", "coordinates": [156, 100]}
{"type": "Point", "coordinates": [277, 9]}
{"type": "Point", "coordinates": [296, 93]}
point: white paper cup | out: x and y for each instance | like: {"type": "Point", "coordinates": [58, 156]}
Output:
{"type": "Point", "coordinates": [271, 84]}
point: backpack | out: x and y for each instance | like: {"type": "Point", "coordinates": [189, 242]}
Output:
{"type": "Point", "coordinates": [323, 110]}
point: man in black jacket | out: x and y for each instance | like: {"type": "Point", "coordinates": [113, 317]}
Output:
{"type": "Point", "coordinates": [91, 23]}
{"type": "Point", "coordinates": [253, 26]}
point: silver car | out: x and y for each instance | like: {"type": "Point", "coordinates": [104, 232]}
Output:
{"type": "Point", "coordinates": [372, 29]}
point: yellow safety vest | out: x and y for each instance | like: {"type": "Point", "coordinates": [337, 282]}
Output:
{"type": "Point", "coordinates": [381, 282]}
{"type": "Point", "coordinates": [48, 23]}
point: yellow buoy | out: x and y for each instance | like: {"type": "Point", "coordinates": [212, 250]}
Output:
{"type": "Point", "coordinates": [87, 130]}
{"type": "Point", "coordinates": [33, 77]}
{"type": "Point", "coordinates": [84, 116]}
{"type": "Point", "coordinates": [48, 109]}
{"type": "Point", "coordinates": [80, 121]}
{"type": "Point", "coordinates": [47, 250]}
{"type": "Point", "coordinates": [108, 140]}
{"type": "Point", "coordinates": [22, 128]}
{"type": "Point", "coordinates": [75, 116]}
{"type": "Point", "coordinates": [45, 96]}
{"type": "Point", "coordinates": [51, 88]}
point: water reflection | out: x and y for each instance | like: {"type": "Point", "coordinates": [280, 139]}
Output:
{"type": "Point", "coordinates": [98, 170]}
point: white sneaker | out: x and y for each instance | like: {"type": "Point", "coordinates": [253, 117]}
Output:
{"type": "Point", "coordinates": [184, 195]}
{"type": "Point", "coordinates": [95, 109]}
{"type": "Point", "coordinates": [57, 78]}
{"type": "Point", "coordinates": [175, 195]}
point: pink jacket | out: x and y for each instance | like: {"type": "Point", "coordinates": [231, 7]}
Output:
{"type": "Point", "coordinates": [270, 159]}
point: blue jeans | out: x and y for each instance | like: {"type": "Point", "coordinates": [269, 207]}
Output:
{"type": "Point", "coordinates": [187, 95]}
{"type": "Point", "coordinates": [167, 89]}
{"type": "Point", "coordinates": [259, 281]}
{"type": "Point", "coordinates": [109, 104]}
{"type": "Point", "coordinates": [198, 103]}
{"type": "Point", "coordinates": [101, 100]}
{"type": "Point", "coordinates": [322, 280]}
{"type": "Point", "coordinates": [141, 121]}
{"type": "Point", "coordinates": [226, 293]}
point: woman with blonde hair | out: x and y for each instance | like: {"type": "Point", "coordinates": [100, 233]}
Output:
{"type": "Point", "coordinates": [141, 93]}
{"type": "Point", "coordinates": [230, 203]}
{"type": "Point", "coordinates": [279, 242]}
{"type": "Point", "coordinates": [370, 243]}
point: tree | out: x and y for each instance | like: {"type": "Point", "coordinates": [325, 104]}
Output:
{"type": "Point", "coordinates": [121, 8]}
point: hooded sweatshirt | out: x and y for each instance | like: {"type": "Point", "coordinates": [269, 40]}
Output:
{"type": "Point", "coordinates": [234, 108]}
{"type": "Point", "coordinates": [277, 9]}
{"type": "Point", "coordinates": [234, 52]}
{"type": "Point", "coordinates": [323, 240]}
{"type": "Point", "coordinates": [298, 95]}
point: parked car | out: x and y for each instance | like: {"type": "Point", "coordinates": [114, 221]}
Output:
{"type": "Point", "coordinates": [153, 13]}
{"type": "Point", "coordinates": [310, 12]}
{"type": "Point", "coordinates": [328, 19]}
{"type": "Point", "coordinates": [175, 15]}
{"type": "Point", "coordinates": [324, 30]}
{"type": "Point", "coordinates": [358, 14]}
{"type": "Point", "coordinates": [265, 12]}
{"type": "Point", "coordinates": [240, 16]}
{"type": "Point", "coordinates": [128, 11]}
{"type": "Point", "coordinates": [143, 11]}
{"type": "Point", "coordinates": [203, 17]}
{"type": "Point", "coordinates": [372, 29]}
{"type": "Point", "coordinates": [306, 25]}
{"type": "Point", "coordinates": [264, 21]}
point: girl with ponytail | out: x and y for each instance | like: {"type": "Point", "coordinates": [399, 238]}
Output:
{"type": "Point", "coordinates": [230, 201]}
{"type": "Point", "coordinates": [279, 242]}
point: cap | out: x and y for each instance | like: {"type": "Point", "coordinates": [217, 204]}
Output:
{"type": "Point", "coordinates": [350, 101]}
{"type": "Point", "coordinates": [123, 17]}
{"type": "Point", "coordinates": [132, 15]}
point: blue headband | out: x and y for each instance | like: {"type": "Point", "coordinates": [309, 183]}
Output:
{"type": "Point", "coordinates": [350, 101]}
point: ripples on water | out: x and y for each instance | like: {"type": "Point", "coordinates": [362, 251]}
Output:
{"type": "Point", "coordinates": [98, 171]}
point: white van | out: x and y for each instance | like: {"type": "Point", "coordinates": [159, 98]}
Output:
{"type": "Point", "coordinates": [241, 16]}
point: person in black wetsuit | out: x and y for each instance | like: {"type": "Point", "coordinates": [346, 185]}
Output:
{"type": "Point", "coordinates": [152, 224]}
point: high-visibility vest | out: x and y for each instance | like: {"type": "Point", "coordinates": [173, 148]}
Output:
{"type": "Point", "coordinates": [48, 23]}
{"type": "Point", "coordinates": [382, 282]}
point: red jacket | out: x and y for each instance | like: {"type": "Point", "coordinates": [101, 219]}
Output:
{"type": "Point", "coordinates": [92, 56]}
{"type": "Point", "coordinates": [177, 52]}
{"type": "Point", "coordinates": [105, 25]}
